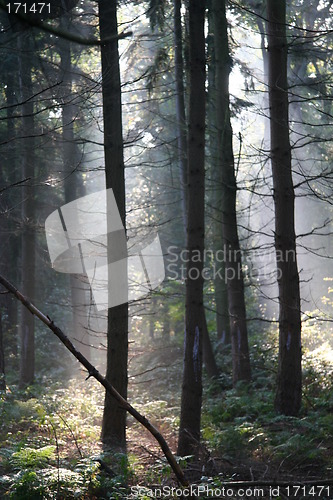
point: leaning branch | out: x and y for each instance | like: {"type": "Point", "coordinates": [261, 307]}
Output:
{"type": "Point", "coordinates": [15, 184]}
{"type": "Point", "coordinates": [93, 372]}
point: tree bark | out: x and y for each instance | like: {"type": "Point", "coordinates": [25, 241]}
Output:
{"type": "Point", "coordinates": [114, 417]}
{"type": "Point", "coordinates": [73, 188]}
{"type": "Point", "coordinates": [2, 358]}
{"type": "Point", "coordinates": [215, 200]}
{"type": "Point", "coordinates": [9, 175]}
{"type": "Point", "coordinates": [189, 430]}
{"type": "Point", "coordinates": [289, 382]}
{"type": "Point", "coordinates": [232, 253]}
{"type": "Point", "coordinates": [166, 321]}
{"type": "Point", "coordinates": [180, 107]}
{"type": "Point", "coordinates": [262, 26]}
{"type": "Point", "coordinates": [152, 314]}
{"type": "Point", "coordinates": [208, 353]}
{"type": "Point", "coordinates": [27, 351]}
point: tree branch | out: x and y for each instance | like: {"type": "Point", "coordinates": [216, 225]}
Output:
{"type": "Point", "coordinates": [15, 184]}
{"type": "Point", "coordinates": [48, 28]}
{"type": "Point", "coordinates": [93, 372]}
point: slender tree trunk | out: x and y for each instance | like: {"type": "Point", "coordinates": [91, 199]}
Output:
{"type": "Point", "coordinates": [73, 189]}
{"type": "Point", "coordinates": [180, 107]}
{"type": "Point", "coordinates": [27, 352]}
{"type": "Point", "coordinates": [233, 263]}
{"type": "Point", "coordinates": [216, 194]}
{"type": "Point", "coordinates": [114, 417]}
{"type": "Point", "coordinates": [289, 382]}
{"type": "Point", "coordinates": [166, 322]}
{"type": "Point", "coordinates": [262, 26]}
{"type": "Point", "coordinates": [12, 311]}
{"type": "Point", "coordinates": [222, 308]}
{"type": "Point", "coordinates": [4, 260]}
{"type": "Point", "coordinates": [10, 242]}
{"type": "Point", "coordinates": [2, 358]}
{"type": "Point", "coordinates": [189, 429]}
{"type": "Point", "coordinates": [153, 305]}
{"type": "Point", "coordinates": [208, 353]}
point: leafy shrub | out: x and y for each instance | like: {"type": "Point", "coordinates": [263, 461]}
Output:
{"type": "Point", "coordinates": [31, 457]}
{"type": "Point", "coordinates": [27, 486]}
{"type": "Point", "coordinates": [44, 483]}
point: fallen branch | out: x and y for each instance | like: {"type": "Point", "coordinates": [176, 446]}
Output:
{"type": "Point", "coordinates": [93, 372]}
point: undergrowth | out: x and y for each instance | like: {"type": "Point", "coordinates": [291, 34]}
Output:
{"type": "Point", "coordinates": [50, 433]}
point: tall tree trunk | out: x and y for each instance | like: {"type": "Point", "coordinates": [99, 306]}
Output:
{"type": "Point", "coordinates": [114, 417]}
{"type": "Point", "coordinates": [289, 382]}
{"type": "Point", "coordinates": [208, 354]}
{"type": "Point", "coordinates": [2, 358]}
{"type": "Point", "coordinates": [189, 429]}
{"type": "Point", "coordinates": [233, 263]}
{"type": "Point", "coordinates": [262, 26]}
{"type": "Point", "coordinates": [10, 242]}
{"type": "Point", "coordinates": [73, 189]}
{"type": "Point", "coordinates": [27, 353]}
{"type": "Point", "coordinates": [216, 194]}
{"type": "Point", "coordinates": [180, 107]}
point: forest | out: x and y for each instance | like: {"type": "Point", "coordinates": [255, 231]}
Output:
{"type": "Point", "coordinates": [166, 256]}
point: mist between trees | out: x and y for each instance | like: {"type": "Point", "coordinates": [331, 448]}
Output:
{"type": "Point", "coordinates": [211, 124]}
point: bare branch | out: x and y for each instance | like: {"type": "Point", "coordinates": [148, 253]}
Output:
{"type": "Point", "coordinates": [15, 184]}
{"type": "Point", "coordinates": [93, 372]}
{"type": "Point", "coordinates": [72, 37]}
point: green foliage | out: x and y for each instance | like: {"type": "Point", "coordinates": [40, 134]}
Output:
{"type": "Point", "coordinates": [49, 445]}
{"type": "Point", "coordinates": [44, 483]}
{"type": "Point", "coordinates": [32, 457]}
{"type": "Point", "coordinates": [237, 424]}
{"type": "Point", "coordinates": [298, 445]}
{"type": "Point", "coordinates": [242, 423]}
{"type": "Point", "coordinates": [29, 409]}
{"type": "Point", "coordinates": [27, 486]}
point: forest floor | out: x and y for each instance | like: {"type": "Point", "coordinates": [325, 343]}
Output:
{"type": "Point", "coordinates": [50, 437]}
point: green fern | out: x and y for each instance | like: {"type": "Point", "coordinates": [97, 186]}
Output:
{"type": "Point", "coordinates": [32, 457]}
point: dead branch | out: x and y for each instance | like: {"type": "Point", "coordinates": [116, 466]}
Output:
{"type": "Point", "coordinates": [93, 372]}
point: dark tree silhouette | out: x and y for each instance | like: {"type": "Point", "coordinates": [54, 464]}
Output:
{"type": "Point", "coordinates": [189, 430]}
{"type": "Point", "coordinates": [114, 418]}
{"type": "Point", "coordinates": [289, 383]}
{"type": "Point", "coordinates": [228, 186]}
